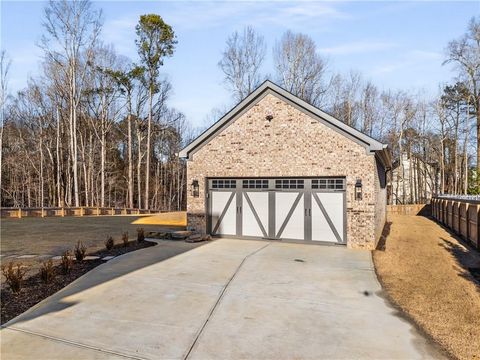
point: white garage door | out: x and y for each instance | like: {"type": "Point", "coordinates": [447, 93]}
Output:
{"type": "Point", "coordinates": [290, 209]}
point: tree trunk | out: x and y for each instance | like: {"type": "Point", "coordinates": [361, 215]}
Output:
{"type": "Point", "coordinates": [130, 165]}
{"type": "Point", "coordinates": [74, 135]}
{"type": "Point", "coordinates": [102, 168]}
{"type": "Point", "coordinates": [148, 150]}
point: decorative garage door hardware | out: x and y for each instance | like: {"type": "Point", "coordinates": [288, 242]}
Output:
{"type": "Point", "coordinates": [311, 210]}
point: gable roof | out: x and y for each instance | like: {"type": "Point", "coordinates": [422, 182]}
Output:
{"type": "Point", "coordinates": [268, 87]}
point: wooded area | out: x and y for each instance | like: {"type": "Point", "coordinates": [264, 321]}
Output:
{"type": "Point", "coordinates": [96, 129]}
{"type": "Point", "coordinates": [441, 131]}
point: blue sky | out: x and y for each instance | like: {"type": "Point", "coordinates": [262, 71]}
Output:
{"type": "Point", "coordinates": [397, 45]}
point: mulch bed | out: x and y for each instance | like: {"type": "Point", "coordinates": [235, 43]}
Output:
{"type": "Point", "coordinates": [119, 249]}
{"type": "Point", "coordinates": [35, 290]}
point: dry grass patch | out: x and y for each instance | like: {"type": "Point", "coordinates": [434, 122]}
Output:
{"type": "Point", "coordinates": [425, 271]}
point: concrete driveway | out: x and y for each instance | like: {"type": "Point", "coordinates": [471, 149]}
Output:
{"type": "Point", "coordinates": [234, 299]}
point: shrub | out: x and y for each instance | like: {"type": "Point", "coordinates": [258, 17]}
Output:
{"type": "Point", "coordinates": [47, 271]}
{"type": "Point", "coordinates": [80, 251]}
{"type": "Point", "coordinates": [109, 243]}
{"type": "Point", "coordinates": [14, 275]}
{"type": "Point", "coordinates": [140, 234]}
{"type": "Point", "coordinates": [125, 239]}
{"type": "Point", "coordinates": [67, 262]}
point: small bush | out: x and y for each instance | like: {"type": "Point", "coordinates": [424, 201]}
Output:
{"type": "Point", "coordinates": [125, 239]}
{"type": "Point", "coordinates": [80, 251]}
{"type": "Point", "coordinates": [140, 234]}
{"type": "Point", "coordinates": [47, 271]}
{"type": "Point", "coordinates": [67, 262]}
{"type": "Point", "coordinates": [109, 243]}
{"type": "Point", "coordinates": [14, 276]}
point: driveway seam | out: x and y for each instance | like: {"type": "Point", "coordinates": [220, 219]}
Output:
{"type": "Point", "coordinates": [73, 343]}
{"type": "Point", "coordinates": [219, 299]}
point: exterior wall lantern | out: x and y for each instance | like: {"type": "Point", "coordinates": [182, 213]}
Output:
{"type": "Point", "coordinates": [195, 188]}
{"type": "Point", "coordinates": [358, 189]}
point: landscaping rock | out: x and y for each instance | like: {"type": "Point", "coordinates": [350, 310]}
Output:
{"type": "Point", "coordinates": [90, 257]}
{"type": "Point", "coordinates": [198, 238]}
{"type": "Point", "coordinates": [156, 235]}
{"type": "Point", "coordinates": [194, 238]}
{"type": "Point", "coordinates": [106, 258]}
{"type": "Point", "coordinates": [180, 235]}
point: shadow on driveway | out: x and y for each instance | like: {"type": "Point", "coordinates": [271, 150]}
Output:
{"type": "Point", "coordinates": [112, 269]}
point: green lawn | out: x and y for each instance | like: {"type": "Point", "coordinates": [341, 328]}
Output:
{"type": "Point", "coordinates": [53, 235]}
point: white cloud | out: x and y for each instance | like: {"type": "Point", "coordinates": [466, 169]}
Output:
{"type": "Point", "coordinates": [410, 59]}
{"type": "Point", "coordinates": [358, 47]}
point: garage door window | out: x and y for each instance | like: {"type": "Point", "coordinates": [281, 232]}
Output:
{"type": "Point", "coordinates": [224, 184]}
{"type": "Point", "coordinates": [328, 184]}
{"type": "Point", "coordinates": [289, 184]}
{"type": "Point", "coordinates": [255, 184]}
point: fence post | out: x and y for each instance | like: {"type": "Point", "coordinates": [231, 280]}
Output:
{"type": "Point", "coordinates": [467, 224]}
{"type": "Point", "coordinates": [19, 213]}
{"type": "Point", "coordinates": [113, 211]}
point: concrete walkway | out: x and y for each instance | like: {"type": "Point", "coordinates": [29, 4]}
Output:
{"type": "Point", "coordinates": [233, 299]}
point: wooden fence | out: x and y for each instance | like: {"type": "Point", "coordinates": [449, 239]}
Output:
{"type": "Point", "coordinates": [410, 209]}
{"type": "Point", "coordinates": [462, 216]}
{"type": "Point", "coordinates": [70, 211]}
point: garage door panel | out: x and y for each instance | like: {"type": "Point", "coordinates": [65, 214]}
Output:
{"type": "Point", "coordinates": [255, 214]}
{"type": "Point", "coordinates": [327, 216]}
{"type": "Point", "coordinates": [223, 213]}
{"type": "Point", "coordinates": [289, 215]}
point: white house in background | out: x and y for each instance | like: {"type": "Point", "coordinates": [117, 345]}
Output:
{"type": "Point", "coordinates": [412, 181]}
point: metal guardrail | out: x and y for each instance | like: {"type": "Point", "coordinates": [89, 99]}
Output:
{"type": "Point", "coordinates": [462, 216]}
{"type": "Point", "coordinates": [71, 211]}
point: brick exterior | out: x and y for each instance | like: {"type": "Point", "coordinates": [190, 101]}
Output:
{"type": "Point", "coordinates": [291, 144]}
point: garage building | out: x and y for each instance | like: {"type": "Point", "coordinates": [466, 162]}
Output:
{"type": "Point", "coordinates": [277, 168]}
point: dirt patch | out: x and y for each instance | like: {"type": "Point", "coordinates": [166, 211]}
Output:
{"type": "Point", "coordinates": [425, 271]}
{"type": "Point", "coordinates": [35, 290]}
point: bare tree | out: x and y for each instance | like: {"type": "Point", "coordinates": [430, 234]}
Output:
{"type": "Point", "coordinates": [103, 94]}
{"type": "Point", "coordinates": [465, 54]}
{"type": "Point", "coordinates": [72, 29]}
{"type": "Point", "coordinates": [4, 69]}
{"type": "Point", "coordinates": [345, 104]}
{"type": "Point", "coordinates": [299, 68]}
{"type": "Point", "coordinates": [241, 62]}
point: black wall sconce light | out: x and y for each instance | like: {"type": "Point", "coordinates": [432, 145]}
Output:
{"type": "Point", "coordinates": [358, 189]}
{"type": "Point", "coordinates": [195, 188]}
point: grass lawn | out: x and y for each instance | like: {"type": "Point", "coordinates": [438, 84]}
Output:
{"type": "Point", "coordinates": [53, 235]}
{"type": "Point", "coordinates": [425, 272]}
